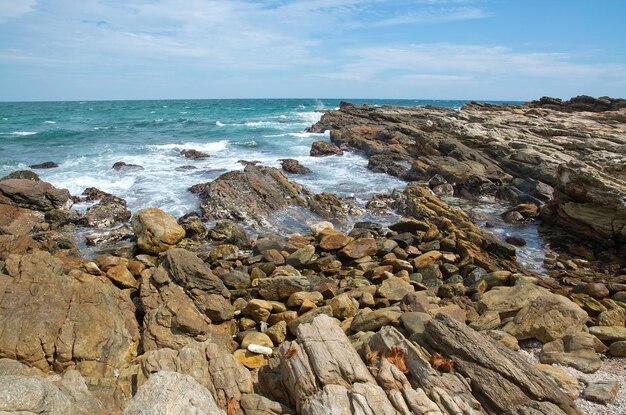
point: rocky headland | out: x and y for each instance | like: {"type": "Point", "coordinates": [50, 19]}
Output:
{"type": "Point", "coordinates": [216, 312]}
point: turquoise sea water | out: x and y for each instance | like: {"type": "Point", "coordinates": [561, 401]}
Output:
{"type": "Point", "coordinates": [87, 138]}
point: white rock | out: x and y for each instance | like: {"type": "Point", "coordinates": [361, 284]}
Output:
{"type": "Point", "coordinates": [255, 348]}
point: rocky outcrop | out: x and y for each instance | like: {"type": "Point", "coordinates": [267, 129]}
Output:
{"type": "Point", "coordinates": [156, 231]}
{"type": "Point", "coordinates": [36, 195]}
{"type": "Point", "coordinates": [193, 154]}
{"type": "Point", "coordinates": [324, 148]}
{"type": "Point", "coordinates": [44, 165]}
{"type": "Point", "coordinates": [515, 153]}
{"type": "Point", "coordinates": [108, 212]}
{"type": "Point", "coordinates": [58, 321]}
{"type": "Point", "coordinates": [17, 221]}
{"type": "Point", "coordinates": [293, 166]}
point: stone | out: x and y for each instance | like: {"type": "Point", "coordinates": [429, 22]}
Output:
{"type": "Point", "coordinates": [360, 248]}
{"type": "Point", "coordinates": [509, 300]}
{"type": "Point", "coordinates": [409, 225]}
{"type": "Point", "coordinates": [108, 212]}
{"type": "Point", "coordinates": [17, 221]}
{"type": "Point", "coordinates": [274, 256]}
{"type": "Point", "coordinates": [575, 350]}
{"type": "Point", "coordinates": [226, 252]}
{"type": "Point", "coordinates": [452, 310]}
{"type": "Point", "coordinates": [595, 290]}
{"type": "Point", "coordinates": [122, 166]}
{"type": "Point", "coordinates": [416, 301]}
{"type": "Point", "coordinates": [487, 321]}
{"type": "Point", "coordinates": [426, 259]}
{"type": "Point", "coordinates": [504, 338]}
{"type": "Point", "coordinates": [298, 298]}
{"type": "Point", "coordinates": [35, 195]}
{"type": "Point", "coordinates": [22, 174]}
{"type": "Point", "coordinates": [415, 322]}
{"type": "Point", "coordinates": [122, 276]}
{"type": "Point", "coordinates": [374, 320]}
{"type": "Point", "coordinates": [612, 317]}
{"type": "Point", "coordinates": [451, 290]}
{"type": "Point", "coordinates": [394, 289]}
{"type": "Point", "coordinates": [293, 166]}
{"type": "Point", "coordinates": [343, 306]}
{"type": "Point", "coordinates": [602, 392]}
{"type": "Point", "coordinates": [193, 154]}
{"type": "Point", "coordinates": [156, 231]}
{"type": "Point", "coordinates": [257, 338]}
{"type": "Point", "coordinates": [170, 393]}
{"type": "Point", "coordinates": [281, 287]}
{"type": "Point", "coordinates": [193, 226]}
{"type": "Point", "coordinates": [308, 317]}
{"type": "Point", "coordinates": [249, 359]}
{"type": "Point", "coordinates": [324, 148]}
{"type": "Point", "coordinates": [618, 348]}
{"type": "Point", "coordinates": [566, 382]}
{"type": "Point", "coordinates": [547, 318]}
{"type": "Point", "coordinates": [236, 280]}
{"type": "Point", "coordinates": [334, 240]}
{"type": "Point", "coordinates": [277, 333]}
{"type": "Point", "coordinates": [300, 257]}
{"type": "Point", "coordinates": [609, 333]}
{"type": "Point", "coordinates": [228, 232]}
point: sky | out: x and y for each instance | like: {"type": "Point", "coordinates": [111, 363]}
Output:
{"type": "Point", "coordinates": [413, 49]}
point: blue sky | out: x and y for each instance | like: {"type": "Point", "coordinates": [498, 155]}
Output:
{"type": "Point", "coordinates": [439, 49]}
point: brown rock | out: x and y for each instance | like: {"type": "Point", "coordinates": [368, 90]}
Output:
{"type": "Point", "coordinates": [334, 240]}
{"type": "Point", "coordinates": [156, 231]}
{"type": "Point", "coordinates": [36, 195]}
{"type": "Point", "coordinates": [17, 221]}
{"type": "Point", "coordinates": [324, 148]}
{"type": "Point", "coordinates": [360, 248]}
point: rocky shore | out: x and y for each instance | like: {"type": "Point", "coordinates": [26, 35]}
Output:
{"type": "Point", "coordinates": [216, 312]}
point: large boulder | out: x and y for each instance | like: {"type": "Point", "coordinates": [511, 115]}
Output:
{"type": "Point", "coordinates": [109, 211]}
{"type": "Point", "coordinates": [156, 231]}
{"type": "Point", "coordinates": [59, 321]}
{"type": "Point", "coordinates": [547, 318]}
{"type": "Point", "coordinates": [17, 221]}
{"type": "Point", "coordinates": [36, 195]}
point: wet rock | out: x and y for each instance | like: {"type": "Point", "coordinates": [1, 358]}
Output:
{"type": "Point", "coordinates": [250, 195]}
{"type": "Point", "coordinates": [36, 195]}
{"type": "Point", "coordinates": [156, 231]}
{"type": "Point", "coordinates": [293, 166]}
{"type": "Point", "coordinates": [229, 232]}
{"type": "Point", "coordinates": [108, 212]}
{"type": "Point", "coordinates": [324, 148]}
{"type": "Point", "coordinates": [122, 166]}
{"type": "Point", "coordinates": [515, 240]}
{"type": "Point", "coordinates": [547, 318]}
{"type": "Point", "coordinates": [193, 154]}
{"type": "Point", "coordinates": [409, 225]}
{"type": "Point", "coordinates": [226, 252]}
{"type": "Point", "coordinates": [193, 226]}
{"type": "Point", "coordinates": [170, 393]}
{"type": "Point", "coordinates": [602, 392]}
{"type": "Point", "coordinates": [22, 174]}
{"type": "Point", "coordinates": [44, 165]}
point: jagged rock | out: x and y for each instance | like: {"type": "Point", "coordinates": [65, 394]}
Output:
{"type": "Point", "coordinates": [502, 380]}
{"type": "Point", "coordinates": [293, 166]}
{"type": "Point", "coordinates": [193, 154]}
{"type": "Point", "coordinates": [156, 231]}
{"type": "Point", "coordinates": [324, 148]}
{"type": "Point", "coordinates": [170, 393]}
{"type": "Point", "coordinates": [22, 174]}
{"type": "Point", "coordinates": [35, 195]}
{"type": "Point", "coordinates": [229, 232]}
{"type": "Point", "coordinates": [249, 195]}
{"type": "Point", "coordinates": [108, 212]}
{"type": "Point", "coordinates": [193, 226]}
{"type": "Point", "coordinates": [44, 165]}
{"type": "Point", "coordinates": [575, 350]}
{"type": "Point", "coordinates": [122, 166]}
{"type": "Point", "coordinates": [59, 321]}
{"type": "Point", "coordinates": [254, 404]}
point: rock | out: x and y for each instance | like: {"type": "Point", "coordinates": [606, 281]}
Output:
{"type": "Point", "coordinates": [37, 195]}
{"type": "Point", "coordinates": [343, 306]}
{"type": "Point", "coordinates": [250, 195]}
{"type": "Point", "coordinates": [254, 404]}
{"type": "Point", "coordinates": [334, 240]}
{"type": "Point", "coordinates": [108, 212]}
{"type": "Point", "coordinates": [501, 379]}
{"type": "Point", "coordinates": [609, 333]}
{"type": "Point", "coordinates": [415, 322]}
{"type": "Point", "coordinates": [17, 221]}
{"type": "Point", "coordinates": [575, 350]}
{"type": "Point", "coordinates": [409, 225]}
{"type": "Point", "coordinates": [618, 348]}
{"type": "Point", "coordinates": [359, 248]}
{"type": "Point", "coordinates": [193, 226]}
{"type": "Point", "coordinates": [547, 318]}
{"type": "Point", "coordinates": [503, 338]}
{"type": "Point", "coordinates": [277, 333]}
{"type": "Point", "coordinates": [236, 280]}
{"type": "Point", "coordinates": [44, 165]}
{"type": "Point", "coordinates": [426, 259]}
{"type": "Point", "coordinates": [249, 359]}
{"type": "Point", "coordinates": [308, 317]}
{"type": "Point", "coordinates": [170, 393]}
{"type": "Point", "coordinates": [226, 252]}
{"type": "Point", "coordinates": [60, 321]}
{"type": "Point", "coordinates": [281, 287]}
{"type": "Point", "coordinates": [595, 290]}
{"type": "Point", "coordinates": [22, 174]}
{"type": "Point", "coordinates": [602, 392]}
{"type": "Point", "coordinates": [515, 240]}
{"type": "Point", "coordinates": [230, 233]}
{"type": "Point", "coordinates": [566, 382]}
{"type": "Point", "coordinates": [509, 300]}
{"type": "Point", "coordinates": [38, 395]}
{"type": "Point", "coordinates": [120, 275]}
{"type": "Point", "coordinates": [193, 154]}
{"type": "Point", "coordinates": [394, 289]}
{"type": "Point", "coordinates": [416, 301]}
{"type": "Point", "coordinates": [257, 338]}
{"type": "Point", "coordinates": [298, 298]}
{"type": "Point", "coordinates": [293, 166]}
{"type": "Point", "coordinates": [374, 320]}
{"type": "Point", "coordinates": [612, 317]}
{"type": "Point", "coordinates": [156, 231]}
{"type": "Point", "coordinates": [324, 148]}
{"type": "Point", "coordinates": [121, 166]}
{"type": "Point", "coordinates": [300, 257]}
{"type": "Point", "coordinates": [320, 227]}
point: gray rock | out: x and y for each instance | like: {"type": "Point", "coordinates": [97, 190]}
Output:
{"type": "Point", "coordinates": [601, 392]}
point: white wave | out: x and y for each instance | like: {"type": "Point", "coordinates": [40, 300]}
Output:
{"type": "Point", "coordinates": [5, 119]}
{"type": "Point", "coordinates": [206, 147]}
{"type": "Point", "coordinates": [183, 112]}
{"type": "Point", "coordinates": [219, 124]}
{"type": "Point", "coordinates": [250, 143]}
{"type": "Point", "coordinates": [152, 112]}
{"type": "Point", "coordinates": [283, 117]}
{"type": "Point", "coordinates": [261, 123]}
{"type": "Point", "coordinates": [164, 106]}
{"type": "Point", "coordinates": [309, 135]}
{"type": "Point", "coordinates": [310, 116]}
{"type": "Point", "coordinates": [20, 133]}
{"type": "Point", "coordinates": [50, 122]}
{"type": "Point", "coordinates": [158, 120]}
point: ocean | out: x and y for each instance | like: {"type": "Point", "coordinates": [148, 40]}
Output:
{"type": "Point", "coordinates": [86, 138]}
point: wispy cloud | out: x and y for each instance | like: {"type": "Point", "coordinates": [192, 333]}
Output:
{"type": "Point", "coordinates": [12, 8]}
